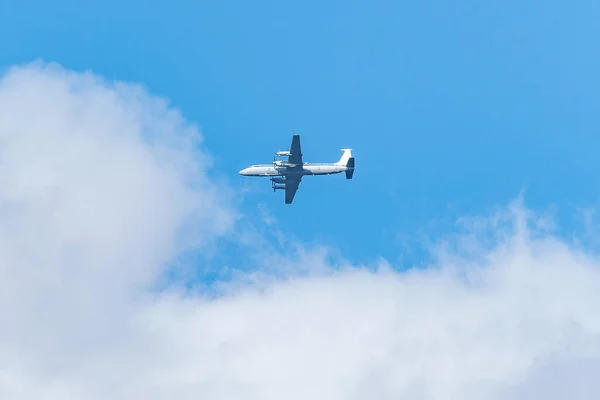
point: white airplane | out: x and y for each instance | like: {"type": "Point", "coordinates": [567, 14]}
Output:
{"type": "Point", "coordinates": [286, 175]}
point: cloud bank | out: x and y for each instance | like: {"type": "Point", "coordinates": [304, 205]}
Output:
{"type": "Point", "coordinates": [103, 185]}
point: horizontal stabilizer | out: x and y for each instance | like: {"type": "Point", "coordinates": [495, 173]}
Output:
{"type": "Point", "coordinates": [350, 166]}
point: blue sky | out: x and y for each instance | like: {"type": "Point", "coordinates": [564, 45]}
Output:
{"type": "Point", "coordinates": [451, 107]}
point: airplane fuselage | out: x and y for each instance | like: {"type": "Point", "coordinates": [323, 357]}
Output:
{"type": "Point", "coordinates": [305, 169]}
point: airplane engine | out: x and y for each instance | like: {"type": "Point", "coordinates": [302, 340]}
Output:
{"type": "Point", "coordinates": [279, 163]}
{"type": "Point", "coordinates": [278, 180]}
{"type": "Point", "coordinates": [277, 187]}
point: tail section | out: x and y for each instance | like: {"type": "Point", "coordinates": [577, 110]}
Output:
{"type": "Point", "coordinates": [347, 160]}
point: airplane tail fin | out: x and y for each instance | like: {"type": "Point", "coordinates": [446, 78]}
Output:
{"type": "Point", "coordinates": [345, 157]}
{"type": "Point", "coordinates": [347, 160]}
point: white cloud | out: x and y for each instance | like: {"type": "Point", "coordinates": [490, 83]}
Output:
{"type": "Point", "coordinates": [102, 185]}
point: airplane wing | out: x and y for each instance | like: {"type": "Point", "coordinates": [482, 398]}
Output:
{"type": "Point", "coordinates": [295, 156]}
{"type": "Point", "coordinates": [291, 186]}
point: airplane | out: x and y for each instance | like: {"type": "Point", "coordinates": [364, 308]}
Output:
{"type": "Point", "coordinates": [286, 175]}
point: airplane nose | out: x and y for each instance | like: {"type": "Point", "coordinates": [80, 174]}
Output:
{"type": "Point", "coordinates": [243, 171]}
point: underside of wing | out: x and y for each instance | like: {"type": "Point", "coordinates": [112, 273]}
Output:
{"type": "Point", "coordinates": [295, 156]}
{"type": "Point", "coordinates": [291, 187]}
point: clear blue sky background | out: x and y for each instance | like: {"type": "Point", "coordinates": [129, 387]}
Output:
{"type": "Point", "coordinates": [451, 107]}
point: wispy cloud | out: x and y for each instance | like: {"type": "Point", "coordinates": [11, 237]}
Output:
{"type": "Point", "coordinates": [103, 185]}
